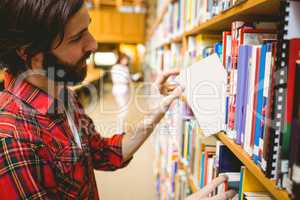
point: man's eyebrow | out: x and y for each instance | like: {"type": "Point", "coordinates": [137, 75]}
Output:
{"type": "Point", "coordinates": [81, 32]}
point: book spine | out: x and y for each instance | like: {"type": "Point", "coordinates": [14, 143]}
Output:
{"type": "Point", "coordinates": [295, 146]}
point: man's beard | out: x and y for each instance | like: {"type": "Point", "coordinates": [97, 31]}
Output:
{"type": "Point", "coordinates": [66, 73]}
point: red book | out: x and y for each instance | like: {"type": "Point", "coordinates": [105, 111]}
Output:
{"type": "Point", "coordinates": [208, 154]}
{"type": "Point", "coordinates": [264, 34]}
{"type": "Point", "coordinates": [235, 26]}
{"type": "Point", "coordinates": [294, 54]}
{"type": "Point", "coordinates": [225, 35]}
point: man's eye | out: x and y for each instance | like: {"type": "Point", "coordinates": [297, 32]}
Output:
{"type": "Point", "coordinates": [76, 39]}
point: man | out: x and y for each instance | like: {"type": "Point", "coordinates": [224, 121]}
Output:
{"type": "Point", "coordinates": [48, 146]}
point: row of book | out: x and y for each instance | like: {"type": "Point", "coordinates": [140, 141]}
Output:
{"type": "Point", "coordinates": [184, 15]}
{"type": "Point", "coordinates": [198, 160]}
{"type": "Point", "coordinates": [249, 56]}
{"type": "Point", "coordinates": [199, 46]}
{"type": "Point", "coordinates": [248, 187]}
{"type": "Point", "coordinates": [262, 101]}
{"type": "Point", "coordinates": [166, 145]}
{"type": "Point", "coordinates": [207, 158]}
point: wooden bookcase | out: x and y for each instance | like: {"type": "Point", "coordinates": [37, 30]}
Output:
{"type": "Point", "coordinates": [248, 11]}
{"type": "Point", "coordinates": [111, 26]}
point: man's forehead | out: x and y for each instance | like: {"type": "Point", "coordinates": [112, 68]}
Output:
{"type": "Point", "coordinates": [78, 22]}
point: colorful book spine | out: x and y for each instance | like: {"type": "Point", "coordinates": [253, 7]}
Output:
{"type": "Point", "coordinates": [265, 101]}
{"type": "Point", "coordinates": [258, 117]}
{"type": "Point", "coordinates": [243, 62]}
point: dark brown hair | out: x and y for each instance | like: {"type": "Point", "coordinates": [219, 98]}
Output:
{"type": "Point", "coordinates": [32, 25]}
{"type": "Point", "coordinates": [122, 55]}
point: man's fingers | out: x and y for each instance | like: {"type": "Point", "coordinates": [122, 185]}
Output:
{"type": "Point", "coordinates": [222, 196]}
{"type": "Point", "coordinates": [177, 92]}
{"type": "Point", "coordinates": [165, 75]}
{"type": "Point", "coordinates": [213, 185]}
{"type": "Point", "coordinates": [204, 192]}
{"type": "Point", "coordinates": [169, 88]}
{"type": "Point", "coordinates": [166, 102]}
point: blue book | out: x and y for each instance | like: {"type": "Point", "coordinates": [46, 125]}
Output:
{"type": "Point", "coordinates": [241, 183]}
{"type": "Point", "coordinates": [265, 100]}
{"type": "Point", "coordinates": [246, 94]}
{"type": "Point", "coordinates": [202, 170]}
{"type": "Point", "coordinates": [227, 161]}
{"type": "Point", "coordinates": [242, 68]}
{"type": "Point", "coordinates": [189, 142]}
{"type": "Point", "coordinates": [258, 118]}
{"type": "Point", "coordinates": [226, 112]}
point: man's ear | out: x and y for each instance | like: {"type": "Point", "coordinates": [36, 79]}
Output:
{"type": "Point", "coordinates": [22, 54]}
{"type": "Point", "coordinates": [37, 61]}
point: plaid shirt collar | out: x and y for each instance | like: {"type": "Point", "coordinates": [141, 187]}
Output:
{"type": "Point", "coordinates": [37, 98]}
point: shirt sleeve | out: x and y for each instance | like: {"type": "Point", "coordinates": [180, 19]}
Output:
{"type": "Point", "coordinates": [106, 152]}
{"type": "Point", "coordinates": [20, 171]}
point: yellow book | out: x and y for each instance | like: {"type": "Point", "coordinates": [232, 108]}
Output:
{"type": "Point", "coordinates": [186, 141]}
{"type": "Point", "coordinates": [206, 40]}
{"type": "Point", "coordinates": [249, 183]}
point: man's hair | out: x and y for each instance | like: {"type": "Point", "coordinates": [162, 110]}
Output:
{"type": "Point", "coordinates": [32, 25]}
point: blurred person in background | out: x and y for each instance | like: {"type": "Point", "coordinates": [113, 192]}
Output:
{"type": "Point", "coordinates": [121, 87]}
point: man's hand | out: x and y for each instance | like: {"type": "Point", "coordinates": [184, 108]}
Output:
{"type": "Point", "coordinates": [203, 193]}
{"type": "Point", "coordinates": [169, 91]}
{"type": "Point", "coordinates": [160, 82]}
{"type": "Point", "coordinates": [137, 136]}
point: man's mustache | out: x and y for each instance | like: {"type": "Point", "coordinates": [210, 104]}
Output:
{"type": "Point", "coordinates": [85, 57]}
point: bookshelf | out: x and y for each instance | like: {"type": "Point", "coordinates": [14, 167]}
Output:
{"type": "Point", "coordinates": [247, 161]}
{"type": "Point", "coordinates": [191, 183]}
{"type": "Point", "coordinates": [247, 11]}
{"type": "Point", "coordinates": [160, 16]}
{"type": "Point", "coordinates": [252, 167]}
{"type": "Point", "coordinates": [108, 25]}
{"type": "Point", "coordinates": [258, 8]}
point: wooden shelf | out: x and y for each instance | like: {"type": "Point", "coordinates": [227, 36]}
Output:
{"type": "Point", "coordinates": [191, 183]}
{"type": "Point", "coordinates": [249, 164]}
{"type": "Point", "coordinates": [253, 168]}
{"type": "Point", "coordinates": [248, 11]}
{"type": "Point", "coordinates": [115, 3]}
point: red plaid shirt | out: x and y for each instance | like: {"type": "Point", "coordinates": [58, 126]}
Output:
{"type": "Point", "coordinates": [39, 157]}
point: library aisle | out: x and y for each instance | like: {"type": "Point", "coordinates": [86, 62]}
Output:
{"type": "Point", "coordinates": [238, 117]}
{"type": "Point", "coordinates": [136, 181]}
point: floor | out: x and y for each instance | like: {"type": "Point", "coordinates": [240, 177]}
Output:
{"type": "Point", "coordinates": [136, 181]}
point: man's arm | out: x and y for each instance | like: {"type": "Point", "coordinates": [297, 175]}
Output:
{"type": "Point", "coordinates": [134, 138]}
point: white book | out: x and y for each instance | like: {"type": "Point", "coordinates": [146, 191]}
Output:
{"type": "Point", "coordinates": [205, 90]}
{"type": "Point", "coordinates": [210, 166]}
{"type": "Point", "coordinates": [251, 89]}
